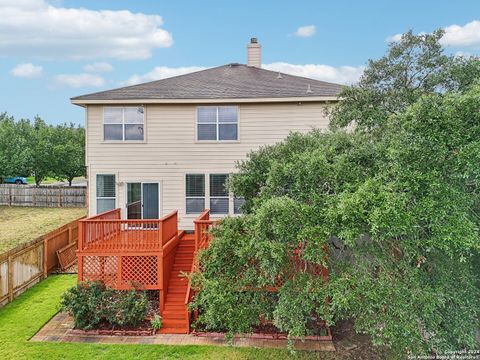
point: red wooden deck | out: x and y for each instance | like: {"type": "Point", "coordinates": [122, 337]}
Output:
{"type": "Point", "coordinates": [144, 254]}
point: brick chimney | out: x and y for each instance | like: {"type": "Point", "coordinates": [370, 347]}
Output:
{"type": "Point", "coordinates": [254, 53]}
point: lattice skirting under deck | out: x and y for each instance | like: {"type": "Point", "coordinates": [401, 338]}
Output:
{"type": "Point", "coordinates": [122, 271]}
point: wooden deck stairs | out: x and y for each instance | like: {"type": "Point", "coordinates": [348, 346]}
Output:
{"type": "Point", "coordinates": [174, 315]}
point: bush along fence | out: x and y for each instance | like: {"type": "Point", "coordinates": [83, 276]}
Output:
{"type": "Point", "coordinates": [28, 264]}
{"type": "Point", "coordinates": [45, 196]}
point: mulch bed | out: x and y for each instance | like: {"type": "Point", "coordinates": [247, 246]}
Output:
{"type": "Point", "coordinates": [320, 332]}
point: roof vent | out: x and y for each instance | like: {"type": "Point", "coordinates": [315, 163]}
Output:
{"type": "Point", "coordinates": [279, 76]}
{"type": "Point", "coordinates": [309, 89]}
{"type": "Point", "coordinates": [254, 53]}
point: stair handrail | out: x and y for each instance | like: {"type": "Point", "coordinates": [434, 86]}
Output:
{"type": "Point", "coordinates": [201, 224]}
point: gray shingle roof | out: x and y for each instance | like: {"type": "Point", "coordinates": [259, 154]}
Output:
{"type": "Point", "coordinates": [232, 81]}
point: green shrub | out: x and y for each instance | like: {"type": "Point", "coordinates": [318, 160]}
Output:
{"type": "Point", "coordinates": [156, 323]}
{"type": "Point", "coordinates": [398, 212]}
{"type": "Point", "coordinates": [91, 303]}
{"type": "Point", "coordinates": [82, 302]}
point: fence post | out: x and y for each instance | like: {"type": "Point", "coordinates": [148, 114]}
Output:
{"type": "Point", "coordinates": [10, 279]}
{"type": "Point", "coordinates": [70, 233]}
{"type": "Point", "coordinates": [45, 260]}
{"type": "Point", "coordinates": [10, 196]}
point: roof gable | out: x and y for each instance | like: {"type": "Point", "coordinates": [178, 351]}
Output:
{"type": "Point", "coordinates": [232, 81]}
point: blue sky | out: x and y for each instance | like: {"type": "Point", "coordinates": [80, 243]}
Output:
{"type": "Point", "coordinates": [53, 50]}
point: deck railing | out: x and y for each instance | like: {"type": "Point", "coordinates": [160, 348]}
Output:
{"type": "Point", "coordinates": [127, 253]}
{"type": "Point", "coordinates": [107, 232]}
{"type": "Point", "coordinates": [203, 236]}
{"type": "Point", "coordinates": [203, 224]}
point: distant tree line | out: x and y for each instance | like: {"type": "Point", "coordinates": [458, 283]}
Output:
{"type": "Point", "coordinates": [34, 148]}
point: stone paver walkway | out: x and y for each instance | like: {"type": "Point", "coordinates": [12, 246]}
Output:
{"type": "Point", "coordinates": [59, 329]}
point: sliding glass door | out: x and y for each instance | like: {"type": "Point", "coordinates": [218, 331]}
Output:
{"type": "Point", "coordinates": [143, 200]}
{"type": "Point", "coordinates": [150, 201]}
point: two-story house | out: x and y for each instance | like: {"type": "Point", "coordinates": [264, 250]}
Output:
{"type": "Point", "coordinates": [168, 147]}
{"type": "Point", "coordinates": [170, 144]}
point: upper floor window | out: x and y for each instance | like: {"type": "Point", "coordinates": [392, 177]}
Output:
{"type": "Point", "coordinates": [123, 123]}
{"type": "Point", "coordinates": [217, 123]}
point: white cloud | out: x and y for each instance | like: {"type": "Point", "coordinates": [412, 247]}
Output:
{"type": "Point", "coordinates": [98, 67]}
{"type": "Point", "coordinates": [394, 38]}
{"type": "Point", "coordinates": [341, 75]}
{"type": "Point", "coordinates": [37, 28]}
{"type": "Point", "coordinates": [27, 70]}
{"type": "Point", "coordinates": [467, 36]}
{"type": "Point", "coordinates": [161, 72]}
{"type": "Point", "coordinates": [79, 80]}
{"type": "Point", "coordinates": [306, 31]}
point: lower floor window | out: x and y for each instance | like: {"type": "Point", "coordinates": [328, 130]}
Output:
{"type": "Point", "coordinates": [195, 193]}
{"type": "Point", "coordinates": [237, 204]}
{"type": "Point", "coordinates": [219, 198]}
{"type": "Point", "coordinates": [213, 194]}
{"type": "Point", "coordinates": [106, 193]}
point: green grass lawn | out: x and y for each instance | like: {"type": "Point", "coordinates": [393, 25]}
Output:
{"type": "Point", "coordinates": [46, 181]}
{"type": "Point", "coordinates": [22, 224]}
{"type": "Point", "coordinates": [49, 180]}
{"type": "Point", "coordinates": [22, 318]}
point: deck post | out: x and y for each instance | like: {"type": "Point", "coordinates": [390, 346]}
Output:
{"type": "Point", "coordinates": [80, 235]}
{"type": "Point", "coordinates": [80, 268]}
{"type": "Point", "coordinates": [160, 281]}
{"type": "Point", "coordinates": [197, 234]}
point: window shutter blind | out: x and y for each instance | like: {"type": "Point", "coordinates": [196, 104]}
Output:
{"type": "Point", "coordinates": [106, 186]}
{"type": "Point", "coordinates": [219, 200]}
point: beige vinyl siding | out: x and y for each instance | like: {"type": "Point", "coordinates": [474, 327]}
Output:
{"type": "Point", "coordinates": [170, 149]}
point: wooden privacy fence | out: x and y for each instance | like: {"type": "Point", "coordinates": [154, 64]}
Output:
{"type": "Point", "coordinates": [45, 196]}
{"type": "Point", "coordinates": [27, 264]}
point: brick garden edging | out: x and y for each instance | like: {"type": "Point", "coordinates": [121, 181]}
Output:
{"type": "Point", "coordinates": [111, 332]}
{"type": "Point", "coordinates": [60, 329]}
{"type": "Point", "coordinates": [265, 336]}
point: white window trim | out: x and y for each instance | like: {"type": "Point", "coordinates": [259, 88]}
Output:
{"type": "Point", "coordinates": [204, 197]}
{"type": "Point", "coordinates": [210, 197]}
{"type": "Point", "coordinates": [123, 123]}
{"type": "Point", "coordinates": [141, 182]}
{"type": "Point", "coordinates": [115, 198]}
{"type": "Point", "coordinates": [207, 196]}
{"type": "Point", "coordinates": [217, 123]}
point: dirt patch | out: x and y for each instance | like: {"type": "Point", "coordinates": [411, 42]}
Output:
{"type": "Point", "coordinates": [351, 345]}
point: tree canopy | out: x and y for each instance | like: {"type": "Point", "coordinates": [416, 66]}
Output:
{"type": "Point", "coordinates": [395, 200]}
{"type": "Point", "coordinates": [41, 150]}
